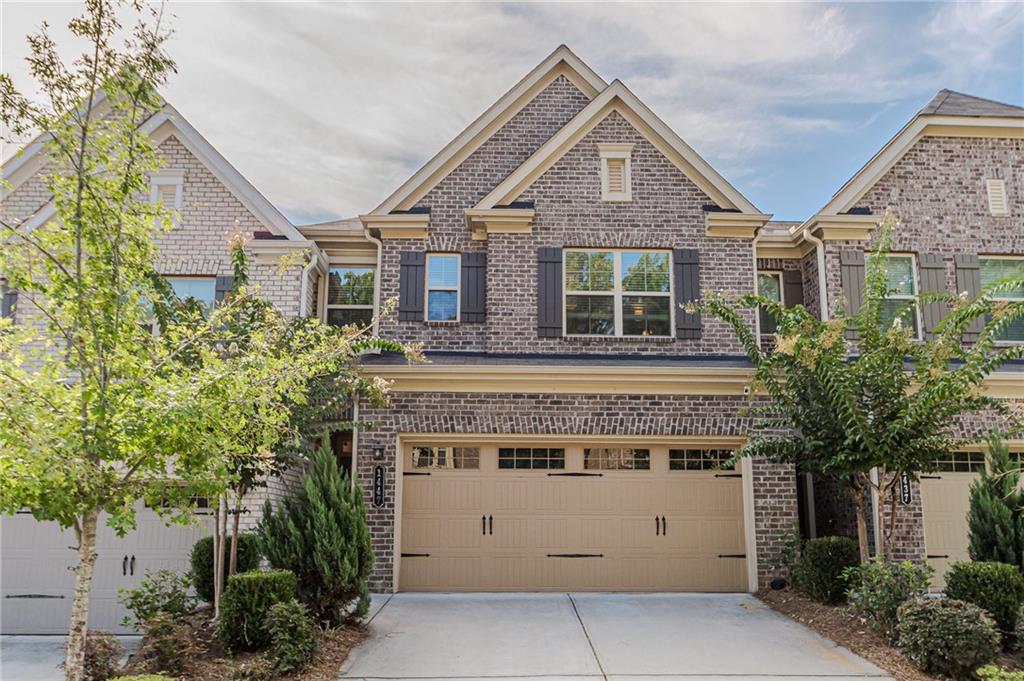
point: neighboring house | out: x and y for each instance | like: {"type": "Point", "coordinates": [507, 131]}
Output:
{"type": "Point", "coordinates": [568, 430]}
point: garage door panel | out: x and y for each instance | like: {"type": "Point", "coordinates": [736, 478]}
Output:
{"type": "Point", "coordinates": [721, 535]}
{"type": "Point", "coordinates": [555, 533]}
{"type": "Point", "coordinates": [640, 533]}
{"type": "Point", "coordinates": [513, 533]}
{"type": "Point", "coordinates": [945, 503]}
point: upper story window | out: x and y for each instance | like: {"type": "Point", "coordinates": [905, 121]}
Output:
{"type": "Point", "coordinates": [902, 286]}
{"type": "Point", "coordinates": [995, 269]}
{"type": "Point", "coordinates": [616, 172]}
{"type": "Point", "coordinates": [350, 296]}
{"type": "Point", "coordinates": [202, 290]}
{"type": "Point", "coordinates": [442, 287]}
{"type": "Point", "coordinates": [166, 189]}
{"type": "Point", "coordinates": [769, 285]}
{"type": "Point", "coordinates": [618, 293]}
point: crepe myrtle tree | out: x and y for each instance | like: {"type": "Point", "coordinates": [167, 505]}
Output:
{"type": "Point", "coordinates": [867, 413]}
{"type": "Point", "coordinates": [97, 412]}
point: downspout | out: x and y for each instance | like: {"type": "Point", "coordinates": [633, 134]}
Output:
{"type": "Point", "coordinates": [376, 279]}
{"type": "Point", "coordinates": [819, 247]}
{"type": "Point", "coordinates": [314, 260]}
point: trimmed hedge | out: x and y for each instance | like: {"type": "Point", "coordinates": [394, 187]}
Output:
{"type": "Point", "coordinates": [293, 642]}
{"type": "Point", "coordinates": [947, 636]}
{"type": "Point", "coordinates": [997, 588]}
{"type": "Point", "coordinates": [202, 562]}
{"type": "Point", "coordinates": [245, 604]}
{"type": "Point", "coordinates": [823, 562]}
{"type": "Point", "coordinates": [991, 672]}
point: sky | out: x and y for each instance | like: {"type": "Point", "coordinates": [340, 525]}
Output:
{"type": "Point", "coordinates": [328, 107]}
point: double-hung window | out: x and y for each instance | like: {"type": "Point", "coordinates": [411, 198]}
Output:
{"type": "Point", "coordinates": [902, 289]}
{"type": "Point", "coordinates": [996, 269]}
{"type": "Point", "coordinates": [618, 293]}
{"type": "Point", "coordinates": [202, 290]}
{"type": "Point", "coordinates": [769, 285]}
{"type": "Point", "coordinates": [442, 287]}
{"type": "Point", "coordinates": [350, 296]}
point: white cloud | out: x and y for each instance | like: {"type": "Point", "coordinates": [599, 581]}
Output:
{"type": "Point", "coordinates": [326, 108]}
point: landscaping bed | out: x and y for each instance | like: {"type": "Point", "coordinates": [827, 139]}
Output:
{"type": "Point", "coordinates": [204, 658]}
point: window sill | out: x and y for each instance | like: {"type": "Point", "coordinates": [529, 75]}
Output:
{"type": "Point", "coordinates": [652, 339]}
{"type": "Point", "coordinates": [438, 322]}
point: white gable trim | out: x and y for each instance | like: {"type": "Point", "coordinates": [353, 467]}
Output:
{"type": "Point", "coordinates": [168, 122]}
{"type": "Point", "coordinates": [617, 97]}
{"type": "Point", "coordinates": [561, 62]}
{"type": "Point", "coordinates": [919, 127]}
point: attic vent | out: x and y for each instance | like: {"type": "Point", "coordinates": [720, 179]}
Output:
{"type": "Point", "coordinates": [616, 172]}
{"type": "Point", "coordinates": [997, 197]}
{"type": "Point", "coordinates": [166, 189]}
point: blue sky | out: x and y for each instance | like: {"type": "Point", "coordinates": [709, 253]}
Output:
{"type": "Point", "coordinates": [328, 107]}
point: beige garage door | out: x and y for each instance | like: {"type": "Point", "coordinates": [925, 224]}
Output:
{"type": "Point", "coordinates": [570, 518]}
{"type": "Point", "coordinates": [945, 498]}
{"type": "Point", "coordinates": [36, 582]}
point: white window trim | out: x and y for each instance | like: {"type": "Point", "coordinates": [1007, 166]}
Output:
{"type": "Point", "coordinates": [327, 289]}
{"type": "Point", "coordinates": [1002, 256]}
{"type": "Point", "coordinates": [782, 290]}
{"type": "Point", "coordinates": [917, 291]}
{"type": "Point", "coordinates": [616, 151]}
{"type": "Point", "coordinates": [617, 293]}
{"type": "Point", "coordinates": [427, 288]}
{"type": "Point", "coordinates": [169, 277]}
{"type": "Point", "coordinates": [164, 178]}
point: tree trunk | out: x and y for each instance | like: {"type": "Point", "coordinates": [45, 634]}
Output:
{"type": "Point", "coordinates": [883, 539]}
{"type": "Point", "coordinates": [862, 525]}
{"type": "Point", "coordinates": [218, 555]}
{"type": "Point", "coordinates": [233, 562]}
{"type": "Point", "coordinates": [74, 662]}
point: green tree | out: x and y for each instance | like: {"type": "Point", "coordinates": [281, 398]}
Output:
{"type": "Point", "coordinates": [994, 516]}
{"type": "Point", "coordinates": [888, 405]}
{"type": "Point", "coordinates": [320, 534]}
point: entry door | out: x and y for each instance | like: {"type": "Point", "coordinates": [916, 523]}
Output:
{"type": "Point", "coordinates": [36, 579]}
{"type": "Point", "coordinates": [536, 518]}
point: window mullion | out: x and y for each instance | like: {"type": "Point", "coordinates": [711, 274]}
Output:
{"type": "Point", "coordinates": [617, 290]}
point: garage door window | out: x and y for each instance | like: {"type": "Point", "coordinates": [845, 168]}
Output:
{"type": "Point", "coordinates": [617, 459]}
{"type": "Point", "coordinates": [698, 459]}
{"type": "Point", "coordinates": [446, 457]}
{"type": "Point", "coordinates": [530, 458]}
{"type": "Point", "coordinates": [961, 462]}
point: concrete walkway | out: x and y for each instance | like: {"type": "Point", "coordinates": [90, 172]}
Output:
{"type": "Point", "coordinates": [569, 637]}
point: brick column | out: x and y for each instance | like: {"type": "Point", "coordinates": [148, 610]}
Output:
{"type": "Point", "coordinates": [775, 514]}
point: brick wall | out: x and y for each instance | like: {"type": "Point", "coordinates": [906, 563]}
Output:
{"type": "Point", "coordinates": [775, 506]}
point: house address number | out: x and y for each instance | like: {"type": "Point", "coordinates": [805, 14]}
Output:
{"type": "Point", "coordinates": [378, 486]}
{"type": "Point", "coordinates": [904, 489]}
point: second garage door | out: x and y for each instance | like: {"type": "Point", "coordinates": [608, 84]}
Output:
{"type": "Point", "coordinates": [576, 518]}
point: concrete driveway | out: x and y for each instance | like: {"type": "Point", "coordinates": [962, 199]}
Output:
{"type": "Point", "coordinates": [625, 637]}
{"type": "Point", "coordinates": [38, 658]}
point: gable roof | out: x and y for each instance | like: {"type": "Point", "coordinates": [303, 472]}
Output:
{"type": "Point", "coordinates": [617, 97]}
{"type": "Point", "coordinates": [166, 122]}
{"type": "Point", "coordinates": [561, 62]}
{"type": "Point", "coordinates": [948, 113]}
{"type": "Point", "coordinates": [953, 103]}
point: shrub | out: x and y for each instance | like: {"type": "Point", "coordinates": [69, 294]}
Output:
{"type": "Point", "coordinates": [947, 636]}
{"type": "Point", "coordinates": [1018, 631]}
{"type": "Point", "coordinates": [877, 590]}
{"type": "Point", "coordinates": [202, 562]}
{"type": "Point", "coordinates": [256, 669]}
{"type": "Point", "coordinates": [320, 534]}
{"type": "Point", "coordinates": [103, 653]}
{"type": "Point", "coordinates": [166, 644]}
{"type": "Point", "coordinates": [997, 588]}
{"type": "Point", "coordinates": [142, 677]}
{"type": "Point", "coordinates": [292, 636]}
{"type": "Point", "coordinates": [160, 591]}
{"type": "Point", "coordinates": [995, 524]}
{"type": "Point", "coordinates": [821, 567]}
{"type": "Point", "coordinates": [244, 606]}
{"type": "Point", "coordinates": [991, 672]}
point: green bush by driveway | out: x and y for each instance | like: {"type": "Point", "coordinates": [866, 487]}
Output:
{"type": "Point", "coordinates": [997, 588]}
{"type": "Point", "coordinates": [244, 607]}
{"type": "Point", "coordinates": [947, 636]}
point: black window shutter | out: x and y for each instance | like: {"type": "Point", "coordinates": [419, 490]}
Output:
{"type": "Point", "coordinates": [412, 269]}
{"type": "Point", "coordinates": [968, 280]}
{"type": "Point", "coordinates": [686, 263]}
{"type": "Point", "coordinates": [549, 292]}
{"type": "Point", "coordinates": [933, 279]}
{"type": "Point", "coordinates": [223, 287]}
{"type": "Point", "coordinates": [793, 287]}
{"type": "Point", "coordinates": [851, 269]}
{"type": "Point", "coordinates": [474, 287]}
{"type": "Point", "coordinates": [9, 302]}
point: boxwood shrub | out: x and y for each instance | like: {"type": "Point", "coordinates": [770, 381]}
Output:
{"type": "Point", "coordinates": [202, 562]}
{"type": "Point", "coordinates": [244, 607]}
{"type": "Point", "coordinates": [823, 562]}
{"type": "Point", "coordinates": [997, 588]}
{"type": "Point", "coordinates": [877, 590]}
{"type": "Point", "coordinates": [947, 636]}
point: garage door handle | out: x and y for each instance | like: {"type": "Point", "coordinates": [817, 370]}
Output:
{"type": "Point", "coordinates": [124, 566]}
{"type": "Point", "coordinates": [937, 555]}
{"type": "Point", "coordinates": [657, 526]}
{"type": "Point", "coordinates": [664, 526]}
{"type": "Point", "coordinates": [131, 567]}
{"type": "Point", "coordinates": [490, 522]}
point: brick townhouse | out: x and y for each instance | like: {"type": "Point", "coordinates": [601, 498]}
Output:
{"type": "Point", "coordinates": [569, 428]}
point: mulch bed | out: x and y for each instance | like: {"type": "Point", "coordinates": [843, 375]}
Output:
{"type": "Point", "coordinates": [846, 629]}
{"type": "Point", "coordinates": [205, 660]}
